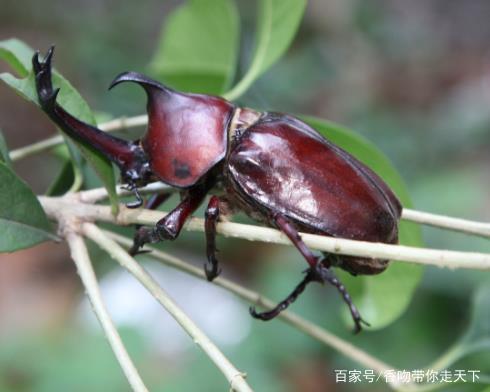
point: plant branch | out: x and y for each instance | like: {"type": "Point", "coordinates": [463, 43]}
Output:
{"type": "Point", "coordinates": [250, 296]}
{"type": "Point", "coordinates": [481, 229]}
{"type": "Point", "coordinates": [81, 258]}
{"type": "Point", "coordinates": [234, 377]}
{"type": "Point", "coordinates": [46, 144]}
{"type": "Point", "coordinates": [98, 194]}
{"type": "Point", "coordinates": [440, 258]}
{"type": "Point", "coordinates": [462, 225]}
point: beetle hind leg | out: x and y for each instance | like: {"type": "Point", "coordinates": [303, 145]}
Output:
{"type": "Point", "coordinates": [283, 305]}
{"type": "Point", "coordinates": [319, 271]}
{"type": "Point", "coordinates": [324, 273]}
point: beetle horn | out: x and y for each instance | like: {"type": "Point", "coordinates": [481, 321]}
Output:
{"type": "Point", "coordinates": [141, 79]}
{"type": "Point", "coordinates": [127, 155]}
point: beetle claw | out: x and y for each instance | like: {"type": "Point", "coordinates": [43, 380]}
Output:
{"type": "Point", "coordinates": [358, 324]}
{"type": "Point", "coordinates": [253, 312]}
{"type": "Point", "coordinates": [139, 200]}
{"type": "Point", "coordinates": [264, 316]}
{"type": "Point", "coordinates": [325, 274]}
{"type": "Point", "coordinates": [136, 252]}
{"type": "Point", "coordinates": [142, 237]}
{"type": "Point", "coordinates": [212, 270]}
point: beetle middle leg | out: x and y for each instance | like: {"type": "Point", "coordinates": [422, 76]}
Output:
{"type": "Point", "coordinates": [169, 227]}
{"type": "Point", "coordinates": [212, 215]}
{"type": "Point", "coordinates": [319, 271]}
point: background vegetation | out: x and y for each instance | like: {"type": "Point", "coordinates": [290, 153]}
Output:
{"type": "Point", "coordinates": [411, 77]}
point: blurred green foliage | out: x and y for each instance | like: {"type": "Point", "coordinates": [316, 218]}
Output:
{"type": "Point", "coordinates": [408, 86]}
{"type": "Point", "coordinates": [19, 55]}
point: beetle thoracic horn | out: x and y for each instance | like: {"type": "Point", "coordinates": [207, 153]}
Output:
{"type": "Point", "coordinates": [142, 80]}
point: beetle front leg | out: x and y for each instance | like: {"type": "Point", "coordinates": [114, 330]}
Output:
{"type": "Point", "coordinates": [169, 227]}
{"type": "Point", "coordinates": [319, 271]}
{"type": "Point", "coordinates": [212, 215]}
{"type": "Point", "coordinates": [151, 204]}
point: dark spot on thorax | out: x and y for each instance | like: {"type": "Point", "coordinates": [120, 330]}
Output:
{"type": "Point", "coordinates": [181, 169]}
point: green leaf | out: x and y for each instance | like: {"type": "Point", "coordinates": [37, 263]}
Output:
{"type": "Point", "coordinates": [63, 180]}
{"type": "Point", "coordinates": [4, 152]}
{"type": "Point", "coordinates": [22, 220]}
{"type": "Point", "coordinates": [477, 336]}
{"type": "Point", "coordinates": [278, 22]}
{"type": "Point", "coordinates": [383, 298]}
{"type": "Point", "coordinates": [18, 55]}
{"type": "Point", "coordinates": [198, 47]}
{"type": "Point", "coordinates": [476, 339]}
{"type": "Point", "coordinates": [69, 177]}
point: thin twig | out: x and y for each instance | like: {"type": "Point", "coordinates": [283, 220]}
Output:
{"type": "Point", "coordinates": [34, 148]}
{"type": "Point", "coordinates": [462, 225]}
{"type": "Point", "coordinates": [81, 258]}
{"type": "Point", "coordinates": [481, 229]}
{"type": "Point", "coordinates": [46, 144]}
{"type": "Point", "coordinates": [98, 194]}
{"type": "Point", "coordinates": [250, 296]}
{"type": "Point", "coordinates": [466, 226]}
{"type": "Point", "coordinates": [440, 258]}
{"type": "Point", "coordinates": [234, 377]}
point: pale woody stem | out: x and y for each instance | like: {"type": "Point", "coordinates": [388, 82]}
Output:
{"type": "Point", "coordinates": [466, 226]}
{"type": "Point", "coordinates": [234, 377]}
{"type": "Point", "coordinates": [81, 258]}
{"type": "Point", "coordinates": [440, 258]}
{"type": "Point", "coordinates": [250, 296]}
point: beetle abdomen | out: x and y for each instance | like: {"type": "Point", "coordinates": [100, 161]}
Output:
{"type": "Point", "coordinates": [287, 167]}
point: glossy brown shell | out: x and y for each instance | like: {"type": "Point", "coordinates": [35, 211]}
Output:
{"type": "Point", "coordinates": [285, 166]}
{"type": "Point", "coordinates": [186, 136]}
{"type": "Point", "coordinates": [187, 133]}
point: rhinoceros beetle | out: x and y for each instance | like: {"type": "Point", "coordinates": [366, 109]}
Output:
{"type": "Point", "coordinates": [274, 167]}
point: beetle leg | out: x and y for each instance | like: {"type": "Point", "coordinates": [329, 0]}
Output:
{"type": "Point", "coordinates": [283, 305]}
{"type": "Point", "coordinates": [138, 202]}
{"type": "Point", "coordinates": [156, 200]}
{"type": "Point", "coordinates": [326, 274]}
{"type": "Point", "coordinates": [127, 155]}
{"type": "Point", "coordinates": [319, 271]}
{"type": "Point", "coordinates": [212, 215]}
{"type": "Point", "coordinates": [168, 228]}
{"type": "Point", "coordinates": [151, 204]}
